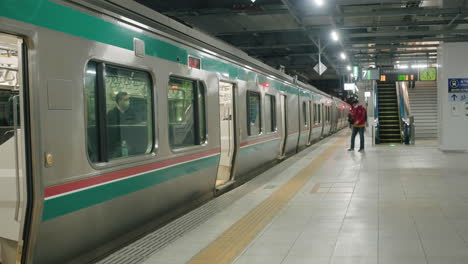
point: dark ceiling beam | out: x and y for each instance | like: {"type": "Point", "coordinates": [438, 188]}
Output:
{"type": "Point", "coordinates": [307, 54]}
{"type": "Point", "coordinates": [397, 59]}
{"type": "Point", "coordinates": [207, 12]}
{"type": "Point", "coordinates": [349, 44]}
{"type": "Point", "coordinates": [277, 46]}
{"type": "Point", "coordinates": [401, 24]}
{"type": "Point", "coordinates": [384, 47]}
{"type": "Point", "coordinates": [253, 32]}
{"type": "Point", "coordinates": [420, 11]}
{"type": "Point", "coordinates": [383, 53]}
{"type": "Point", "coordinates": [386, 12]}
{"type": "Point", "coordinates": [403, 40]}
{"type": "Point", "coordinates": [349, 26]}
{"type": "Point", "coordinates": [407, 33]}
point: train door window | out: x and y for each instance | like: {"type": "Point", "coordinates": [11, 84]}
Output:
{"type": "Point", "coordinates": [304, 113]}
{"type": "Point", "coordinates": [119, 112]}
{"type": "Point", "coordinates": [315, 114]}
{"type": "Point", "coordinates": [326, 113]}
{"type": "Point", "coordinates": [270, 113]}
{"type": "Point", "coordinates": [253, 114]}
{"type": "Point", "coordinates": [319, 114]}
{"type": "Point", "coordinates": [186, 110]}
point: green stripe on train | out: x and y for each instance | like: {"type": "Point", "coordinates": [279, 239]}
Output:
{"type": "Point", "coordinates": [257, 147]}
{"type": "Point", "coordinates": [57, 17]}
{"type": "Point", "coordinates": [72, 202]}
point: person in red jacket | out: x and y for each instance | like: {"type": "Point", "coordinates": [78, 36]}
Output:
{"type": "Point", "coordinates": [359, 114]}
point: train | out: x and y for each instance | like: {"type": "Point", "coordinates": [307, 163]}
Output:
{"type": "Point", "coordinates": [115, 118]}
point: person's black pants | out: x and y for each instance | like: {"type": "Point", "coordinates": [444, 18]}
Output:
{"type": "Point", "coordinates": [361, 136]}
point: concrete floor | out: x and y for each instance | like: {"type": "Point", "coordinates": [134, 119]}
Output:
{"type": "Point", "coordinates": [391, 204]}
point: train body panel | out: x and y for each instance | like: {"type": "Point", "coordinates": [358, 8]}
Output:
{"type": "Point", "coordinates": [79, 200]}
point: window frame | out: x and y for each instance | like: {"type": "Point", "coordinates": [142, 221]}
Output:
{"type": "Point", "coordinates": [100, 107]}
{"type": "Point", "coordinates": [273, 116]}
{"type": "Point", "coordinates": [204, 142]}
{"type": "Point", "coordinates": [249, 132]}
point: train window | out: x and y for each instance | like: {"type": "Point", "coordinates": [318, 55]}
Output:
{"type": "Point", "coordinates": [119, 112]}
{"type": "Point", "coordinates": [186, 109]}
{"type": "Point", "coordinates": [253, 114]}
{"type": "Point", "coordinates": [304, 113]}
{"type": "Point", "coordinates": [270, 113]}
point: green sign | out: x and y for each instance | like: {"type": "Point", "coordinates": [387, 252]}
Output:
{"type": "Point", "coordinates": [428, 74]}
{"type": "Point", "coordinates": [402, 77]}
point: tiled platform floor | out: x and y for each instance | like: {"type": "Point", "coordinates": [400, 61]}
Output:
{"type": "Point", "coordinates": [389, 205]}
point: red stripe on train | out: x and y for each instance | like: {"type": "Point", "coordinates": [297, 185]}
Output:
{"type": "Point", "coordinates": [80, 184]}
{"type": "Point", "coordinates": [257, 141]}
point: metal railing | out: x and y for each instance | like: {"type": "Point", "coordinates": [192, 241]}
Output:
{"type": "Point", "coordinates": [408, 130]}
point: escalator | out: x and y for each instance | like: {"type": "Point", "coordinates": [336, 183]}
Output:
{"type": "Point", "coordinates": [389, 117]}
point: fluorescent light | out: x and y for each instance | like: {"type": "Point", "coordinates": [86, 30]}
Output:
{"type": "Point", "coordinates": [417, 66]}
{"type": "Point", "coordinates": [343, 56]}
{"type": "Point", "coordinates": [253, 1]}
{"type": "Point", "coordinates": [348, 68]}
{"type": "Point", "coordinates": [319, 2]}
{"type": "Point", "coordinates": [334, 35]}
{"type": "Point", "coordinates": [404, 66]}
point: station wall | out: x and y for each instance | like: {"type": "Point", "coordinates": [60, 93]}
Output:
{"type": "Point", "coordinates": [453, 106]}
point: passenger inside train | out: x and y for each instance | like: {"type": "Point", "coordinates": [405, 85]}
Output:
{"type": "Point", "coordinates": [128, 110]}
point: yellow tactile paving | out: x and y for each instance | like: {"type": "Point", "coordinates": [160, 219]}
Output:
{"type": "Point", "coordinates": [232, 242]}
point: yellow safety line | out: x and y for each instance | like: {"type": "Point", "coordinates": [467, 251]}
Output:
{"type": "Point", "coordinates": [316, 188]}
{"type": "Point", "coordinates": [234, 240]}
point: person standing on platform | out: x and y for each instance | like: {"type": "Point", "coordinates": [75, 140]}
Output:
{"type": "Point", "coordinates": [359, 115]}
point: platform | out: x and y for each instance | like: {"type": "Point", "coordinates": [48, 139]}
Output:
{"type": "Point", "coordinates": [392, 204]}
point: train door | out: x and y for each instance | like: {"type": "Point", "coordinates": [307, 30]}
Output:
{"type": "Point", "coordinates": [12, 148]}
{"type": "Point", "coordinates": [228, 133]}
{"type": "Point", "coordinates": [284, 124]}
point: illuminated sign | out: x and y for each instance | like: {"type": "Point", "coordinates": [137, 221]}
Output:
{"type": "Point", "coordinates": [428, 74]}
{"type": "Point", "coordinates": [349, 86]}
{"type": "Point", "coordinates": [194, 62]}
{"type": "Point", "coordinates": [371, 74]}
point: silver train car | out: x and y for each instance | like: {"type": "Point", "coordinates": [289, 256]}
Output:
{"type": "Point", "coordinates": [113, 119]}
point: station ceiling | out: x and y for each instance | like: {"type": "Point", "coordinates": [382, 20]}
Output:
{"type": "Point", "coordinates": [290, 32]}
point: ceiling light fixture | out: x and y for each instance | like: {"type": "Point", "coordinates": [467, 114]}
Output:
{"type": "Point", "coordinates": [419, 66]}
{"type": "Point", "coordinates": [319, 2]}
{"type": "Point", "coordinates": [334, 35]}
{"type": "Point", "coordinates": [343, 56]}
{"type": "Point", "coordinates": [348, 67]}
